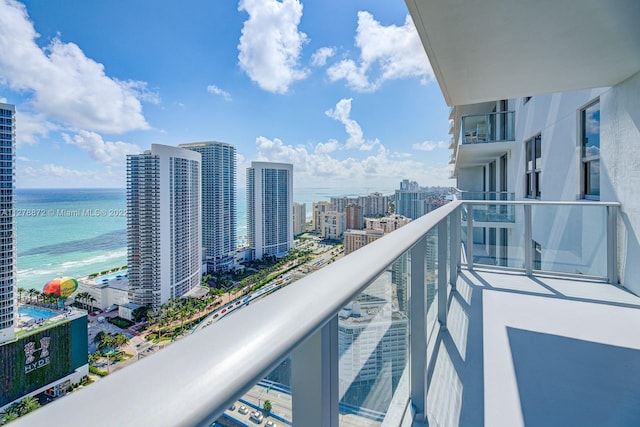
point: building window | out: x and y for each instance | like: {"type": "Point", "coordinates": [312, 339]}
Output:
{"type": "Point", "coordinates": [533, 150]}
{"type": "Point", "coordinates": [590, 144]}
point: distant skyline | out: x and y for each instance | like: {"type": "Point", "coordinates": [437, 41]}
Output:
{"type": "Point", "coordinates": [342, 90]}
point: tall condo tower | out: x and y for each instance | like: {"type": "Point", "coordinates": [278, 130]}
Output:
{"type": "Point", "coordinates": [7, 222]}
{"type": "Point", "coordinates": [164, 235]}
{"type": "Point", "coordinates": [269, 208]}
{"type": "Point", "coordinates": [218, 202]}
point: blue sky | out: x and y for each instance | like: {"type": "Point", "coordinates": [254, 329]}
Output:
{"type": "Point", "coordinates": [341, 89]}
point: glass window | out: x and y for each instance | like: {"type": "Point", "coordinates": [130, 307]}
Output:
{"type": "Point", "coordinates": [590, 145]}
{"type": "Point", "coordinates": [533, 153]}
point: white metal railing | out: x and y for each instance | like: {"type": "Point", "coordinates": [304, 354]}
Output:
{"type": "Point", "coordinates": [194, 380]}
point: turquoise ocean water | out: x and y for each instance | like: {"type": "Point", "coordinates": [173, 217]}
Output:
{"type": "Point", "coordinates": [76, 232]}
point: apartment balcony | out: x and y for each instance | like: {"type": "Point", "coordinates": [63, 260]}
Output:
{"type": "Point", "coordinates": [411, 329]}
{"type": "Point", "coordinates": [484, 137]}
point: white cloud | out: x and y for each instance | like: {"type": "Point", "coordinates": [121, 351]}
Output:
{"type": "Point", "coordinates": [320, 56]}
{"type": "Point", "coordinates": [390, 53]}
{"type": "Point", "coordinates": [270, 44]}
{"type": "Point", "coordinates": [65, 84]}
{"type": "Point", "coordinates": [217, 91]}
{"type": "Point", "coordinates": [32, 127]}
{"type": "Point", "coordinates": [52, 175]}
{"type": "Point", "coordinates": [106, 152]}
{"type": "Point", "coordinates": [327, 147]}
{"type": "Point", "coordinates": [429, 145]}
{"type": "Point", "coordinates": [380, 169]}
{"type": "Point", "coordinates": [342, 114]}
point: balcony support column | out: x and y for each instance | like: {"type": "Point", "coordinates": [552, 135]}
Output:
{"type": "Point", "coordinates": [528, 240]}
{"type": "Point", "coordinates": [314, 378]}
{"type": "Point", "coordinates": [454, 247]}
{"type": "Point", "coordinates": [470, 237]}
{"type": "Point", "coordinates": [612, 244]}
{"type": "Point", "coordinates": [418, 330]}
{"type": "Point", "coordinates": [442, 273]}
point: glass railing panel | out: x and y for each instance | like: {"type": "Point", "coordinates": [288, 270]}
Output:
{"type": "Point", "coordinates": [373, 348]}
{"type": "Point", "coordinates": [491, 212]}
{"type": "Point", "coordinates": [268, 400]}
{"type": "Point", "coordinates": [491, 127]}
{"type": "Point", "coordinates": [431, 279]}
{"type": "Point", "coordinates": [569, 239]}
{"type": "Point", "coordinates": [497, 246]}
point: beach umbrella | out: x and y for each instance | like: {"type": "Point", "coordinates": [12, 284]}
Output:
{"type": "Point", "coordinates": [61, 287]}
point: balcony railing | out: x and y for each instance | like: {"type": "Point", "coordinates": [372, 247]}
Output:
{"type": "Point", "coordinates": [491, 127]}
{"type": "Point", "coordinates": [358, 332]}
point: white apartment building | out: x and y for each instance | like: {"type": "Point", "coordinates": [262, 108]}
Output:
{"type": "Point", "coordinates": [411, 203]}
{"type": "Point", "coordinates": [375, 204]}
{"type": "Point", "coordinates": [319, 208]}
{"type": "Point", "coordinates": [332, 225]}
{"type": "Point", "coordinates": [557, 122]}
{"type": "Point", "coordinates": [219, 217]}
{"type": "Point", "coordinates": [164, 228]}
{"type": "Point", "coordinates": [299, 218]}
{"type": "Point", "coordinates": [270, 208]}
{"type": "Point", "coordinates": [8, 312]}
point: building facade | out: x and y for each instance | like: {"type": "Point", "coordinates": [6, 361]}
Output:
{"type": "Point", "coordinates": [8, 312]}
{"type": "Point", "coordinates": [319, 208]}
{"type": "Point", "coordinates": [387, 224]}
{"type": "Point", "coordinates": [164, 239]}
{"type": "Point", "coordinates": [269, 208]}
{"type": "Point", "coordinates": [219, 214]}
{"type": "Point", "coordinates": [411, 203]}
{"type": "Point", "coordinates": [354, 216]}
{"type": "Point", "coordinates": [355, 239]}
{"type": "Point", "coordinates": [299, 218]}
{"type": "Point", "coordinates": [332, 225]}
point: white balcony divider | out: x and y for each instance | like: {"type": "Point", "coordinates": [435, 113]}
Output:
{"type": "Point", "coordinates": [193, 381]}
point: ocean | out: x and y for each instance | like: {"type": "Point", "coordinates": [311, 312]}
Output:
{"type": "Point", "coordinates": [76, 232]}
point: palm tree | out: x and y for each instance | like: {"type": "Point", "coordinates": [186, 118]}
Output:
{"type": "Point", "coordinates": [91, 300]}
{"type": "Point", "coordinates": [94, 357]}
{"type": "Point", "coordinates": [121, 339]}
{"type": "Point", "coordinates": [20, 292]}
{"type": "Point", "coordinates": [32, 293]}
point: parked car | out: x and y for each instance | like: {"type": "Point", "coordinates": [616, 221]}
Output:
{"type": "Point", "coordinates": [271, 424]}
{"type": "Point", "coordinates": [232, 407]}
{"type": "Point", "coordinates": [243, 410]}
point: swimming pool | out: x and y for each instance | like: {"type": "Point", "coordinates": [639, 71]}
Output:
{"type": "Point", "coordinates": [111, 276]}
{"type": "Point", "coordinates": [35, 313]}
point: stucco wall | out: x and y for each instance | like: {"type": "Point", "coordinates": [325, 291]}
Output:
{"type": "Point", "coordinates": [620, 171]}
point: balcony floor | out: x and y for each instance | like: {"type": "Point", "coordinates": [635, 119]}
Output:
{"type": "Point", "coordinates": [536, 351]}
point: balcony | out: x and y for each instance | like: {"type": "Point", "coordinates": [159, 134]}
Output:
{"type": "Point", "coordinates": [491, 127]}
{"type": "Point", "coordinates": [412, 328]}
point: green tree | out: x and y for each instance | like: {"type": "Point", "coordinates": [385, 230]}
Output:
{"type": "Point", "coordinates": [94, 358]}
{"type": "Point", "coordinates": [266, 406]}
{"type": "Point", "coordinates": [28, 404]}
{"type": "Point", "coordinates": [21, 291]}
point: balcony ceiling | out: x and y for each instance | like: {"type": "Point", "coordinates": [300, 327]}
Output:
{"type": "Point", "coordinates": [488, 50]}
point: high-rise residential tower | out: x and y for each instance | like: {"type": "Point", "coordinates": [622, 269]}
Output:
{"type": "Point", "coordinates": [269, 208]}
{"type": "Point", "coordinates": [164, 229]}
{"type": "Point", "coordinates": [7, 222]}
{"type": "Point", "coordinates": [219, 215]}
{"type": "Point", "coordinates": [299, 218]}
